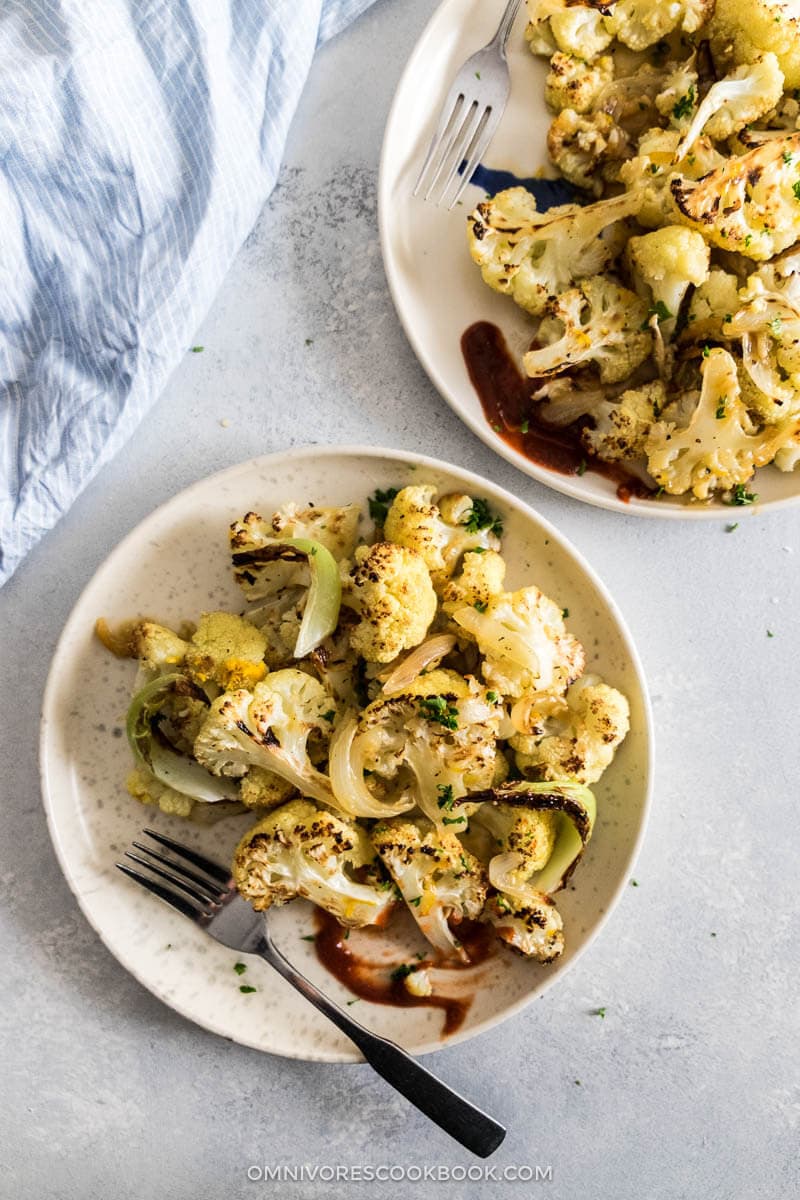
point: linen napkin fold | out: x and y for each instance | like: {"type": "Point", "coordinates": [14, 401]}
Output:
{"type": "Point", "coordinates": [139, 140]}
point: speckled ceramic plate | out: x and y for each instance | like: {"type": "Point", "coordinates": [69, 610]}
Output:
{"type": "Point", "coordinates": [175, 565]}
{"type": "Point", "coordinates": [437, 290]}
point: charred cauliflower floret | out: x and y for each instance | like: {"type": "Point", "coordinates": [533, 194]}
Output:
{"type": "Point", "coordinates": [740, 33]}
{"type": "Point", "coordinates": [264, 789]}
{"type": "Point", "coordinates": [650, 172]}
{"type": "Point", "coordinates": [580, 738]}
{"type": "Point", "coordinates": [226, 650]}
{"type": "Point", "coordinates": [440, 881]}
{"type": "Point", "coordinates": [573, 83]}
{"type": "Point", "coordinates": [298, 850]}
{"type": "Point", "coordinates": [157, 647]}
{"type": "Point", "coordinates": [147, 789]}
{"type": "Point", "coordinates": [534, 929]}
{"type": "Point", "coordinates": [390, 589]}
{"type": "Point", "coordinates": [641, 23]}
{"type": "Point", "coordinates": [580, 144]}
{"type": "Point", "coordinates": [481, 577]}
{"type": "Point", "coordinates": [262, 571]}
{"type": "Point", "coordinates": [715, 300]}
{"type": "Point", "coordinates": [532, 256]}
{"type": "Point", "coordinates": [442, 531]}
{"type": "Point", "coordinates": [270, 728]}
{"type": "Point", "coordinates": [720, 447]}
{"type": "Point", "coordinates": [599, 322]}
{"type": "Point", "coordinates": [524, 643]}
{"type": "Point", "coordinates": [620, 427]}
{"type": "Point", "coordinates": [576, 29]}
{"type": "Point", "coordinates": [748, 93]}
{"type": "Point", "coordinates": [749, 204]}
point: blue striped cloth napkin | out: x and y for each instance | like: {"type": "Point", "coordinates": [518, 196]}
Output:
{"type": "Point", "coordinates": [138, 141]}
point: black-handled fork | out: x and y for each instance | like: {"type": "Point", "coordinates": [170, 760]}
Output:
{"type": "Point", "coordinates": [205, 893]}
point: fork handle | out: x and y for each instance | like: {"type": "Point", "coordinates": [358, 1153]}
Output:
{"type": "Point", "coordinates": [504, 28]}
{"type": "Point", "coordinates": [470, 1126]}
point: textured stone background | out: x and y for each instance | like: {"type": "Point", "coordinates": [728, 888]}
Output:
{"type": "Point", "coordinates": [686, 1087]}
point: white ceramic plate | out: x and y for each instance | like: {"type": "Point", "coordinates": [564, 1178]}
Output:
{"type": "Point", "coordinates": [437, 290]}
{"type": "Point", "coordinates": [173, 566]}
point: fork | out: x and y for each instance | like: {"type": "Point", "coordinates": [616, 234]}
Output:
{"type": "Point", "coordinates": [205, 893]}
{"type": "Point", "coordinates": [470, 116]}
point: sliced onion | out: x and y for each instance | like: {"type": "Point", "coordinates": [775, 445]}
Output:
{"type": "Point", "coordinates": [576, 807]}
{"type": "Point", "coordinates": [321, 614]}
{"type": "Point", "coordinates": [429, 652]}
{"type": "Point", "coordinates": [347, 777]}
{"type": "Point", "coordinates": [502, 872]}
{"type": "Point", "coordinates": [177, 771]}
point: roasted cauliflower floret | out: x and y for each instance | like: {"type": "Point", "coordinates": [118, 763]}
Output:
{"type": "Point", "coordinates": [641, 23]}
{"type": "Point", "coordinates": [579, 145]}
{"type": "Point", "coordinates": [740, 33]}
{"type": "Point", "coordinates": [579, 739]}
{"type": "Point", "coordinates": [534, 929]}
{"type": "Point", "coordinates": [768, 323]}
{"type": "Point", "coordinates": [440, 881]}
{"type": "Point", "coordinates": [666, 262]}
{"type": "Point", "coordinates": [720, 448]}
{"type": "Point", "coordinates": [599, 322]}
{"type": "Point", "coordinates": [649, 173]}
{"type": "Point", "coordinates": [157, 647]}
{"type": "Point", "coordinates": [264, 789]}
{"type": "Point", "coordinates": [480, 578]}
{"type": "Point", "coordinates": [526, 832]}
{"type": "Point", "coordinates": [147, 789]}
{"type": "Point", "coordinates": [716, 299]}
{"type": "Point", "coordinates": [576, 29]}
{"type": "Point", "coordinates": [270, 728]}
{"type": "Point", "coordinates": [573, 83]}
{"type": "Point", "coordinates": [263, 567]}
{"type": "Point", "coordinates": [750, 204]}
{"type": "Point", "coordinates": [441, 533]}
{"type": "Point", "coordinates": [524, 643]}
{"type": "Point", "coordinates": [226, 650]}
{"type": "Point", "coordinates": [532, 256]}
{"type": "Point", "coordinates": [431, 745]}
{"type": "Point", "coordinates": [298, 850]}
{"type": "Point", "coordinates": [748, 93]}
{"type": "Point", "coordinates": [621, 426]}
{"type": "Point", "coordinates": [390, 588]}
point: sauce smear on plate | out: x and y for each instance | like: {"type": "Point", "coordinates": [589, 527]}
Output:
{"type": "Point", "coordinates": [505, 396]}
{"type": "Point", "coordinates": [384, 984]}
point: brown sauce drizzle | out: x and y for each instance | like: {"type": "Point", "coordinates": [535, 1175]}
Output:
{"type": "Point", "coordinates": [505, 396]}
{"type": "Point", "coordinates": [373, 981]}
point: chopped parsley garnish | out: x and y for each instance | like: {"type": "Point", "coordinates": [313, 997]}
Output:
{"type": "Point", "coordinates": [502, 904]}
{"type": "Point", "coordinates": [198, 349]}
{"type": "Point", "coordinates": [659, 491]}
{"type": "Point", "coordinates": [525, 426]}
{"type": "Point", "coordinates": [706, 351]}
{"type": "Point", "coordinates": [246, 988]}
{"type": "Point", "coordinates": [492, 697]}
{"type": "Point", "coordinates": [355, 1001]}
{"type": "Point", "coordinates": [440, 710]}
{"type": "Point", "coordinates": [683, 107]}
{"type": "Point", "coordinates": [658, 310]}
{"type": "Point", "coordinates": [312, 937]}
{"type": "Point", "coordinates": [240, 968]}
{"type": "Point", "coordinates": [741, 496]}
{"type": "Point", "coordinates": [446, 798]}
{"type": "Point", "coordinates": [452, 820]}
{"type": "Point", "coordinates": [481, 605]}
{"type": "Point", "coordinates": [309, 341]}
{"type": "Point", "coordinates": [599, 1012]}
{"type": "Point", "coordinates": [748, 239]}
{"type": "Point", "coordinates": [379, 504]}
{"type": "Point", "coordinates": [477, 74]}
{"type": "Point", "coordinates": [770, 633]}
{"type": "Point", "coordinates": [796, 189]}
{"type": "Point", "coordinates": [787, 157]}
{"type": "Point", "coordinates": [464, 862]}
{"type": "Point", "coordinates": [581, 467]}
{"type": "Point", "coordinates": [329, 715]}
{"type": "Point", "coordinates": [654, 168]}
{"type": "Point", "coordinates": [565, 613]}
{"type": "Point", "coordinates": [482, 517]}
{"type": "Point", "coordinates": [634, 883]}
{"type": "Point", "coordinates": [731, 528]}
{"type": "Point", "coordinates": [775, 326]}
{"type": "Point", "coordinates": [415, 900]}
{"type": "Point", "coordinates": [403, 970]}
{"type": "Point", "coordinates": [721, 407]}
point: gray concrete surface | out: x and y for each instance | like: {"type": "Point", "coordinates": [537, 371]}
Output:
{"type": "Point", "coordinates": [687, 1087]}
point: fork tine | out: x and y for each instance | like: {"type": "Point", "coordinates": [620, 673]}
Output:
{"type": "Point", "coordinates": [175, 880]}
{"type": "Point", "coordinates": [443, 163]}
{"type": "Point", "coordinates": [214, 890]}
{"type": "Point", "coordinates": [221, 874]}
{"type": "Point", "coordinates": [480, 143]}
{"type": "Point", "coordinates": [150, 885]}
{"type": "Point", "coordinates": [442, 130]}
{"type": "Point", "coordinates": [457, 149]}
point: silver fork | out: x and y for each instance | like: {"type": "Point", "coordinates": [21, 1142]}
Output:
{"type": "Point", "coordinates": [205, 893]}
{"type": "Point", "coordinates": [470, 116]}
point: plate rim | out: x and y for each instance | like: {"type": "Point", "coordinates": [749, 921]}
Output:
{"type": "Point", "coordinates": [48, 720]}
{"type": "Point", "coordinates": [481, 428]}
